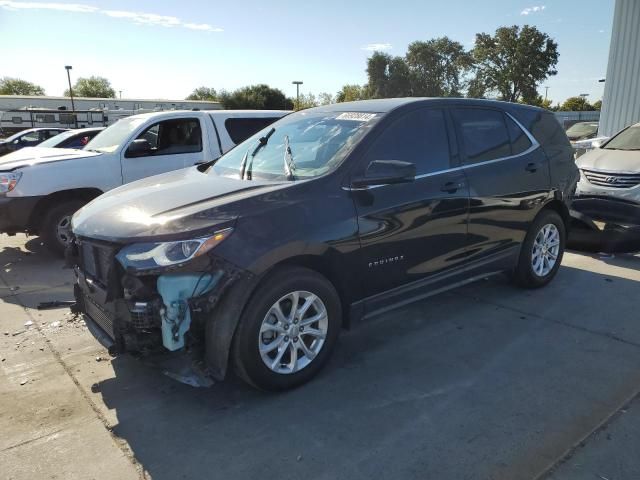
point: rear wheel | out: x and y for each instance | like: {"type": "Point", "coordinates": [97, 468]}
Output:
{"type": "Point", "coordinates": [542, 251]}
{"type": "Point", "coordinates": [288, 330]}
{"type": "Point", "coordinates": [56, 226]}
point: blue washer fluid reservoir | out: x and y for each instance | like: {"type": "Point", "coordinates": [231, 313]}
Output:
{"type": "Point", "coordinates": [175, 291]}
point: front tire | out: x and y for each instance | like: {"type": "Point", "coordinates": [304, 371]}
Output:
{"type": "Point", "coordinates": [542, 251]}
{"type": "Point", "coordinates": [288, 330]}
{"type": "Point", "coordinates": [56, 226]}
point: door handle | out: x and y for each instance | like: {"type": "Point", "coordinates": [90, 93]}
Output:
{"type": "Point", "coordinates": [531, 167]}
{"type": "Point", "coordinates": [451, 187]}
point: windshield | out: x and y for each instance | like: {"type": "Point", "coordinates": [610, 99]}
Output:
{"type": "Point", "coordinates": [582, 129]}
{"type": "Point", "coordinates": [18, 135]}
{"type": "Point", "coordinates": [58, 139]}
{"type": "Point", "coordinates": [628, 139]}
{"type": "Point", "coordinates": [111, 138]}
{"type": "Point", "coordinates": [302, 145]}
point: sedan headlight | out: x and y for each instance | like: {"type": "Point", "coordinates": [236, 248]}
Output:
{"type": "Point", "coordinates": [142, 256]}
{"type": "Point", "coordinates": [9, 180]}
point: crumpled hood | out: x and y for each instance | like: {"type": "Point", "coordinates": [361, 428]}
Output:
{"type": "Point", "coordinates": [171, 204]}
{"type": "Point", "coordinates": [611, 160]}
{"type": "Point", "coordinates": [35, 155]}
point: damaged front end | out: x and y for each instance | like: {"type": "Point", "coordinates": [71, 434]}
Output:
{"type": "Point", "coordinates": [150, 298]}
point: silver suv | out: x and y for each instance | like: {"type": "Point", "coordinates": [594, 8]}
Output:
{"type": "Point", "coordinates": [613, 170]}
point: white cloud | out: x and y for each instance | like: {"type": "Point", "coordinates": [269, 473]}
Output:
{"type": "Point", "coordinates": [372, 47]}
{"type": "Point", "coordinates": [530, 10]}
{"type": "Point", "coordinates": [64, 7]}
{"type": "Point", "coordinates": [139, 18]}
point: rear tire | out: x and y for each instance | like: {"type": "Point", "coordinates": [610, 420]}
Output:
{"type": "Point", "coordinates": [56, 226]}
{"type": "Point", "coordinates": [542, 251]}
{"type": "Point", "coordinates": [276, 348]}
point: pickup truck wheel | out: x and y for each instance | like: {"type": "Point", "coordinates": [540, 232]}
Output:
{"type": "Point", "coordinates": [56, 225]}
{"type": "Point", "coordinates": [288, 330]}
{"type": "Point", "coordinates": [542, 251]}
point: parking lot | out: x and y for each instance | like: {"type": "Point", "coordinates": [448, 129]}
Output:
{"type": "Point", "coordinates": [485, 382]}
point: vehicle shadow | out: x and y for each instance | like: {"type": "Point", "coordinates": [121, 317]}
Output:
{"type": "Point", "coordinates": [473, 383]}
{"type": "Point", "coordinates": [28, 269]}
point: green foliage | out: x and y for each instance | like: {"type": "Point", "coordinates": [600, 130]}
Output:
{"type": "Point", "coordinates": [538, 101]}
{"type": "Point", "coordinates": [325, 98]}
{"type": "Point", "coordinates": [436, 67]}
{"type": "Point", "coordinates": [576, 104]}
{"type": "Point", "coordinates": [203, 93]}
{"type": "Point", "coordinates": [351, 93]}
{"type": "Point", "coordinates": [92, 87]}
{"type": "Point", "coordinates": [513, 62]}
{"type": "Point", "coordinates": [597, 105]}
{"type": "Point", "coordinates": [308, 100]}
{"type": "Point", "coordinates": [259, 97]}
{"type": "Point", "coordinates": [16, 86]}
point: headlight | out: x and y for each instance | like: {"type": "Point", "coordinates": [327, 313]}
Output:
{"type": "Point", "coordinates": [143, 256]}
{"type": "Point", "coordinates": [9, 180]}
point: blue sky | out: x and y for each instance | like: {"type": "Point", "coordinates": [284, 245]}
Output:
{"type": "Point", "coordinates": [162, 49]}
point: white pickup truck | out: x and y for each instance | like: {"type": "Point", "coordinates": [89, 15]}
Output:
{"type": "Point", "coordinates": [40, 193]}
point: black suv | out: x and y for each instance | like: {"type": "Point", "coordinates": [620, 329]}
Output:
{"type": "Point", "coordinates": [327, 216]}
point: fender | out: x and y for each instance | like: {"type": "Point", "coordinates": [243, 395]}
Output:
{"type": "Point", "coordinates": [223, 321]}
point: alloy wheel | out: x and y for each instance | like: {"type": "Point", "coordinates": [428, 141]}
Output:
{"type": "Point", "coordinates": [546, 248]}
{"type": "Point", "coordinates": [293, 332]}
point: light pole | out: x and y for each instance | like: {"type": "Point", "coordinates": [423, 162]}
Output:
{"type": "Point", "coordinates": [546, 91]}
{"type": "Point", "coordinates": [297, 83]}
{"type": "Point", "coordinates": [120, 93]}
{"type": "Point", "coordinates": [73, 106]}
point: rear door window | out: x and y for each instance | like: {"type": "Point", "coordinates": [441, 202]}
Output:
{"type": "Point", "coordinates": [418, 137]}
{"type": "Point", "coordinates": [483, 133]}
{"type": "Point", "coordinates": [239, 129]}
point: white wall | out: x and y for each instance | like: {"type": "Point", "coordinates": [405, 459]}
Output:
{"type": "Point", "coordinates": [621, 101]}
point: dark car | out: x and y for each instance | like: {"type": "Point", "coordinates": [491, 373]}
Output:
{"type": "Point", "coordinates": [28, 138]}
{"type": "Point", "coordinates": [72, 138]}
{"type": "Point", "coordinates": [327, 217]}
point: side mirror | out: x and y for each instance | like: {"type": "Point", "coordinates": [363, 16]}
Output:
{"type": "Point", "coordinates": [138, 148]}
{"type": "Point", "coordinates": [596, 144]}
{"type": "Point", "coordinates": [385, 172]}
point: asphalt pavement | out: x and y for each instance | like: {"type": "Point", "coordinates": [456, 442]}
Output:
{"type": "Point", "coordinates": [484, 382]}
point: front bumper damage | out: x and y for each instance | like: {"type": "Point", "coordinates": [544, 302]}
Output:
{"type": "Point", "coordinates": [604, 224]}
{"type": "Point", "coordinates": [154, 312]}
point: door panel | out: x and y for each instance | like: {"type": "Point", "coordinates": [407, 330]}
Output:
{"type": "Point", "coordinates": [175, 144]}
{"type": "Point", "coordinates": [509, 184]}
{"type": "Point", "coordinates": [411, 230]}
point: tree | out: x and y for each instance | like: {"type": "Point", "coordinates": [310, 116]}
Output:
{"type": "Point", "coordinates": [576, 104]}
{"type": "Point", "coordinates": [351, 93]}
{"type": "Point", "coordinates": [513, 62]}
{"type": "Point", "coordinates": [436, 67]}
{"type": "Point", "coordinates": [92, 87]}
{"type": "Point", "coordinates": [597, 105]}
{"type": "Point", "coordinates": [305, 101]}
{"type": "Point", "coordinates": [203, 93]}
{"type": "Point", "coordinates": [538, 101]}
{"type": "Point", "coordinates": [16, 86]}
{"type": "Point", "coordinates": [388, 76]}
{"type": "Point", "coordinates": [260, 97]}
{"type": "Point", "coordinates": [325, 98]}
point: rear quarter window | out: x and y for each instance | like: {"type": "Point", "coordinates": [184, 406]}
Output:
{"type": "Point", "coordinates": [239, 129]}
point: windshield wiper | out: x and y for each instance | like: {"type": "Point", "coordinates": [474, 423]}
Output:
{"type": "Point", "coordinates": [289, 165]}
{"type": "Point", "coordinates": [261, 143]}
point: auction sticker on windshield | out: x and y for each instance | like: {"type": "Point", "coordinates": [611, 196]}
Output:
{"type": "Point", "coordinates": [356, 116]}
